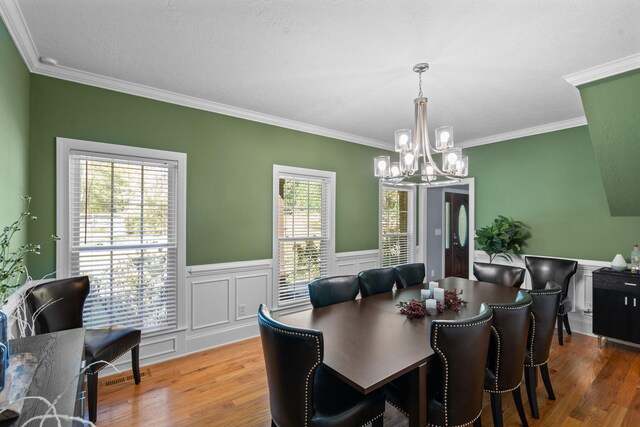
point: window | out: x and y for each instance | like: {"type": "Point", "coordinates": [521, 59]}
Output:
{"type": "Point", "coordinates": [122, 214]}
{"type": "Point", "coordinates": [303, 230]}
{"type": "Point", "coordinates": [396, 226]}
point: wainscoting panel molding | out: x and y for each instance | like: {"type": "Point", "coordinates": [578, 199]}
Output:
{"type": "Point", "coordinates": [209, 302]}
{"type": "Point", "coordinates": [580, 289]}
{"type": "Point", "coordinates": [354, 262]}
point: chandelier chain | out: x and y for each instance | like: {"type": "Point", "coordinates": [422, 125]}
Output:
{"type": "Point", "coordinates": [420, 84]}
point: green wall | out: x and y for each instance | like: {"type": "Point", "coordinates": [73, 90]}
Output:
{"type": "Point", "coordinates": [14, 127]}
{"type": "Point", "coordinates": [229, 168]}
{"type": "Point", "coordinates": [612, 107]}
{"type": "Point", "coordinates": [552, 183]}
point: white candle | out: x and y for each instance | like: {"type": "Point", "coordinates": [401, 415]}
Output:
{"type": "Point", "coordinates": [425, 293]}
{"type": "Point", "coordinates": [431, 306]}
{"type": "Point", "coordinates": [432, 286]}
{"type": "Point", "coordinates": [438, 294]}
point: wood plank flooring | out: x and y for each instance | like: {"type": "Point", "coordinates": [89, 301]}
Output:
{"type": "Point", "coordinates": [227, 386]}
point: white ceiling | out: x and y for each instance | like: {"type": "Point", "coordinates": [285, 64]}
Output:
{"type": "Point", "coordinates": [496, 66]}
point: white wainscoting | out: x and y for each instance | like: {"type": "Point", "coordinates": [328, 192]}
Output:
{"type": "Point", "coordinates": [221, 305]}
{"type": "Point", "coordinates": [580, 288]}
{"type": "Point", "coordinates": [354, 262]}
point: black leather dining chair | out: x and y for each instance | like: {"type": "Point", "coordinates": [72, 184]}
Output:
{"type": "Point", "coordinates": [499, 274]}
{"type": "Point", "coordinates": [560, 271]}
{"type": "Point", "coordinates": [507, 348]}
{"type": "Point", "coordinates": [376, 281]}
{"type": "Point", "coordinates": [302, 390]}
{"type": "Point", "coordinates": [454, 389]}
{"type": "Point", "coordinates": [543, 315]}
{"type": "Point", "coordinates": [333, 290]}
{"type": "Point", "coordinates": [409, 274]}
{"type": "Point", "coordinates": [65, 299]}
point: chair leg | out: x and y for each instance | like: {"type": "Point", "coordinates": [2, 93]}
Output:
{"type": "Point", "coordinates": [565, 320]}
{"type": "Point", "coordinates": [377, 422]}
{"type": "Point", "coordinates": [560, 340]}
{"type": "Point", "coordinates": [135, 363]}
{"type": "Point", "coordinates": [517, 398]}
{"type": "Point", "coordinates": [544, 371]}
{"type": "Point", "coordinates": [531, 382]}
{"type": "Point", "coordinates": [478, 422]}
{"type": "Point", "coordinates": [496, 408]}
{"type": "Point", "coordinates": [92, 389]}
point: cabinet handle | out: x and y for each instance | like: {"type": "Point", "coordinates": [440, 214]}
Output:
{"type": "Point", "coordinates": [629, 284]}
{"type": "Point", "coordinates": [634, 302]}
{"type": "Point", "coordinates": [625, 300]}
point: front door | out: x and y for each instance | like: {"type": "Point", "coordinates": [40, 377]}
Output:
{"type": "Point", "coordinates": [456, 236]}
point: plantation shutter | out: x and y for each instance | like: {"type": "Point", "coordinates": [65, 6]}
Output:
{"type": "Point", "coordinates": [396, 227]}
{"type": "Point", "coordinates": [303, 235]}
{"type": "Point", "coordinates": [123, 235]}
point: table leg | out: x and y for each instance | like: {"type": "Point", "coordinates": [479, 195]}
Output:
{"type": "Point", "coordinates": [418, 404]}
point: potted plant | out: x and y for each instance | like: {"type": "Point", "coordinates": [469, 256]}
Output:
{"type": "Point", "coordinates": [502, 238]}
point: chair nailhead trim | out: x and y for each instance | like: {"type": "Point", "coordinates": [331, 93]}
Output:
{"type": "Point", "coordinates": [373, 419]}
{"type": "Point", "coordinates": [533, 334]}
{"type": "Point", "coordinates": [446, 364]}
{"type": "Point", "coordinates": [495, 331]}
{"type": "Point", "coordinates": [503, 391]}
{"type": "Point", "coordinates": [459, 425]}
{"type": "Point", "coordinates": [306, 385]}
{"type": "Point", "coordinates": [105, 365]}
{"type": "Point", "coordinates": [398, 408]}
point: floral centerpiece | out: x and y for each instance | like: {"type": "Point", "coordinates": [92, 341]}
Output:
{"type": "Point", "coordinates": [415, 309]}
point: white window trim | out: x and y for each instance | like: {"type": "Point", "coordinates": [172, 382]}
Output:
{"type": "Point", "coordinates": [64, 146]}
{"type": "Point", "coordinates": [303, 173]}
{"type": "Point", "coordinates": [412, 249]}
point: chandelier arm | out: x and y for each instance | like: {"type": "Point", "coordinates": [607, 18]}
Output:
{"type": "Point", "coordinates": [426, 146]}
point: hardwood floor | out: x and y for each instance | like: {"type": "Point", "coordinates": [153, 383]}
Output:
{"type": "Point", "coordinates": [227, 386]}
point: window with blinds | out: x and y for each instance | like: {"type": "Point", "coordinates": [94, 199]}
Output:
{"type": "Point", "coordinates": [123, 236]}
{"type": "Point", "coordinates": [396, 226]}
{"type": "Point", "coordinates": [303, 234]}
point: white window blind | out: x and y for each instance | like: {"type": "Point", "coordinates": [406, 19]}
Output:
{"type": "Point", "coordinates": [303, 234]}
{"type": "Point", "coordinates": [123, 235]}
{"type": "Point", "coordinates": [396, 226]}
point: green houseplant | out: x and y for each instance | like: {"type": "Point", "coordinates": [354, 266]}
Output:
{"type": "Point", "coordinates": [502, 238]}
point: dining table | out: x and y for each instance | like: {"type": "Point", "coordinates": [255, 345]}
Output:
{"type": "Point", "coordinates": [368, 343]}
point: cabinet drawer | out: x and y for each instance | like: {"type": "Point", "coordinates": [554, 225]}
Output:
{"type": "Point", "coordinates": [619, 282]}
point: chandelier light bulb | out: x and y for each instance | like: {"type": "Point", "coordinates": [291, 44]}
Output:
{"type": "Point", "coordinates": [403, 140]}
{"type": "Point", "coordinates": [445, 136]}
{"type": "Point", "coordinates": [408, 159]}
{"type": "Point", "coordinates": [452, 158]}
{"type": "Point", "coordinates": [395, 169]}
{"type": "Point", "coordinates": [430, 170]}
{"type": "Point", "coordinates": [382, 165]}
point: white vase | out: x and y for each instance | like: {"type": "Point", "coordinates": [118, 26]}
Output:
{"type": "Point", "coordinates": [619, 263]}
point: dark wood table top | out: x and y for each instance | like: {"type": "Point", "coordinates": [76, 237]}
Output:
{"type": "Point", "coordinates": [368, 343]}
{"type": "Point", "coordinates": [60, 356]}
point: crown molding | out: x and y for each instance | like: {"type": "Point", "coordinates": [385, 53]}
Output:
{"type": "Point", "coordinates": [535, 130]}
{"type": "Point", "coordinates": [602, 71]}
{"type": "Point", "coordinates": [17, 27]}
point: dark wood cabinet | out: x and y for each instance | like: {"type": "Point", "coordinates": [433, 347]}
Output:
{"type": "Point", "coordinates": [616, 305]}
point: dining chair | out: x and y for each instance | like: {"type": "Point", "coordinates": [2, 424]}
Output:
{"type": "Point", "coordinates": [499, 274]}
{"type": "Point", "coordinates": [64, 300]}
{"type": "Point", "coordinates": [302, 390]}
{"type": "Point", "coordinates": [333, 290]}
{"type": "Point", "coordinates": [507, 348]}
{"type": "Point", "coordinates": [560, 271]}
{"type": "Point", "coordinates": [376, 281]}
{"type": "Point", "coordinates": [454, 390]}
{"type": "Point", "coordinates": [543, 315]}
{"type": "Point", "coordinates": [409, 274]}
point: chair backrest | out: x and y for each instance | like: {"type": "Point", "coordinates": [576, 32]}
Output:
{"type": "Point", "coordinates": [498, 274]}
{"type": "Point", "coordinates": [462, 347]}
{"type": "Point", "coordinates": [376, 281]}
{"type": "Point", "coordinates": [291, 356]}
{"type": "Point", "coordinates": [544, 270]}
{"type": "Point", "coordinates": [333, 290]}
{"type": "Point", "coordinates": [543, 321]}
{"type": "Point", "coordinates": [65, 299]}
{"type": "Point", "coordinates": [409, 274]}
{"type": "Point", "coordinates": [508, 343]}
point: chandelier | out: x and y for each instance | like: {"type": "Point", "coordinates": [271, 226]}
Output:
{"type": "Point", "coordinates": [416, 152]}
